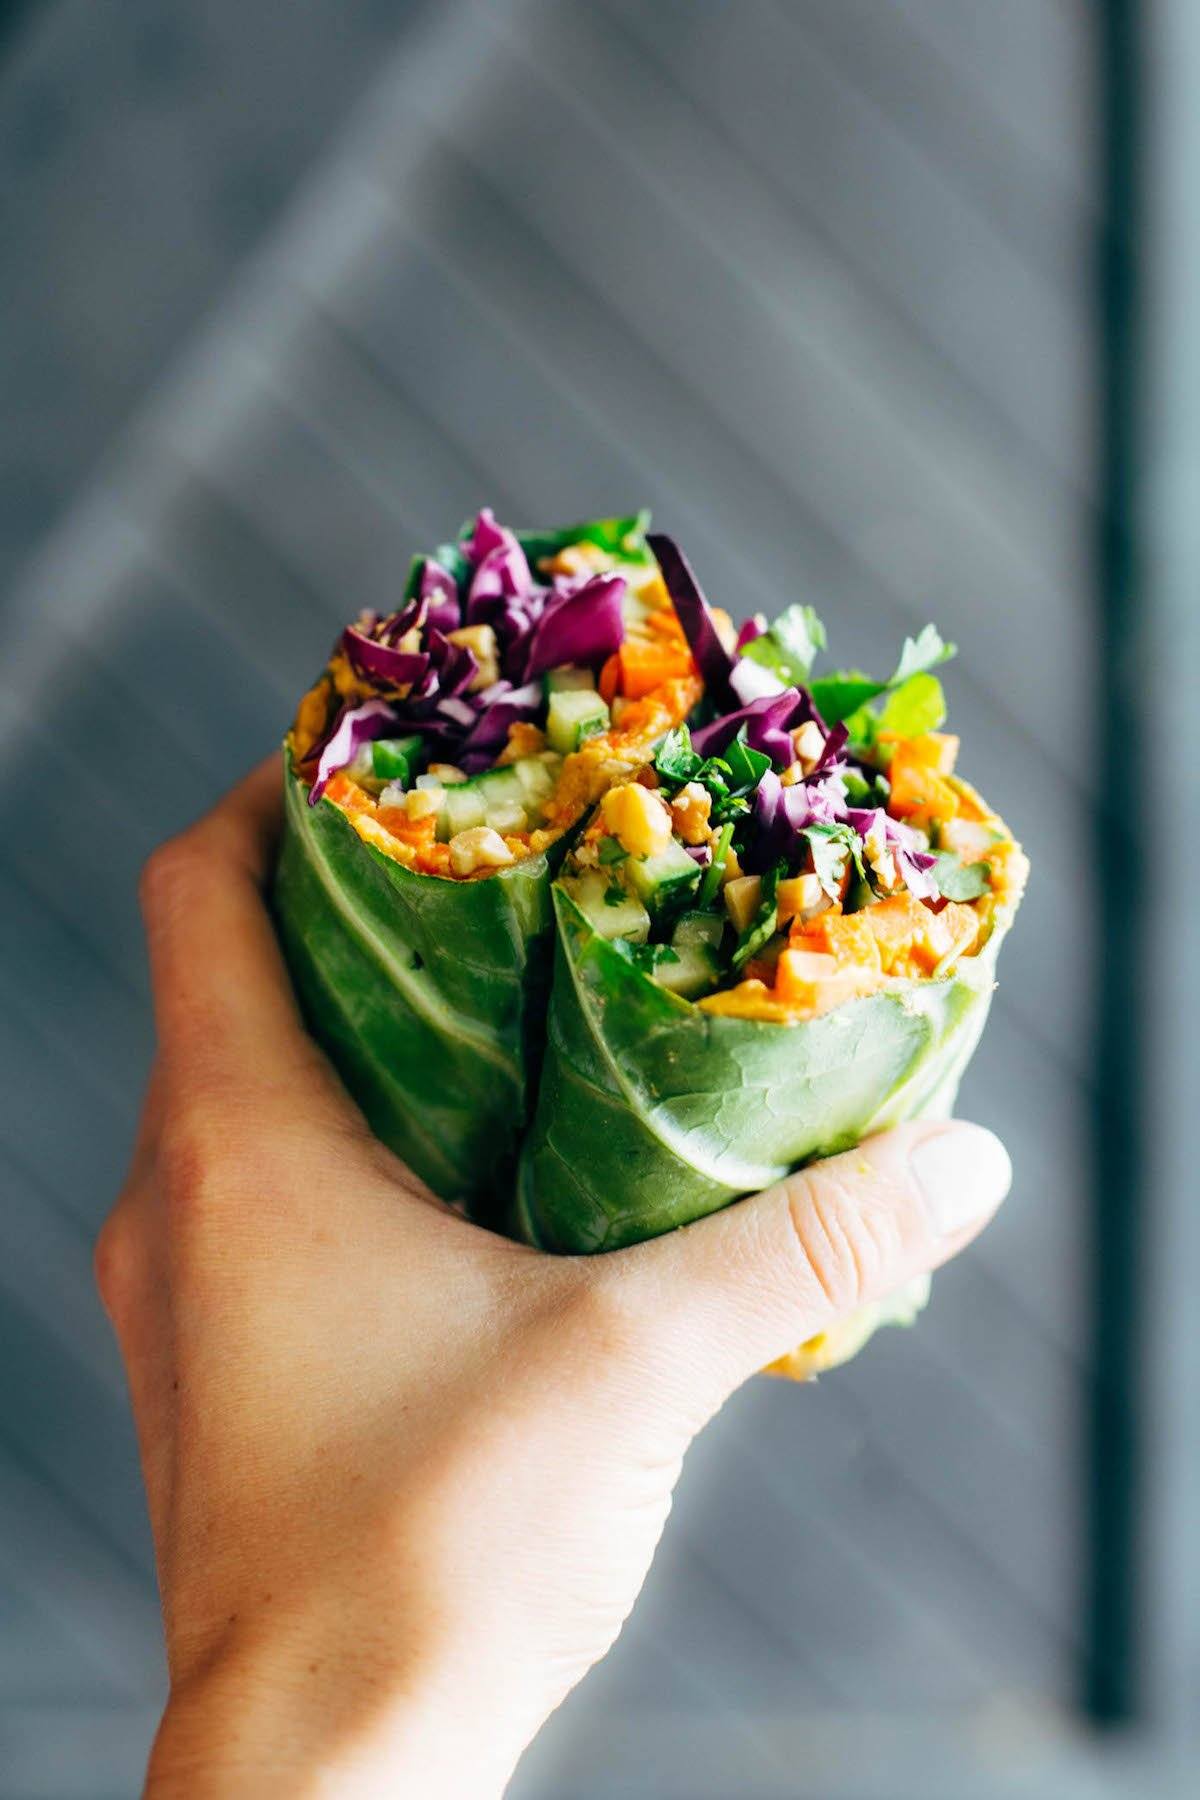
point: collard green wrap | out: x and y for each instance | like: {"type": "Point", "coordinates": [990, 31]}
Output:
{"type": "Point", "coordinates": [427, 994]}
{"type": "Point", "coordinates": [653, 1112]}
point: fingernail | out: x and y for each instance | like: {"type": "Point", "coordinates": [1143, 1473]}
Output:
{"type": "Point", "coordinates": [964, 1174]}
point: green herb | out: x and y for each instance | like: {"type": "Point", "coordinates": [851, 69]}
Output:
{"type": "Point", "coordinates": [746, 767]}
{"type": "Point", "coordinates": [712, 875]}
{"type": "Point", "coordinates": [958, 880]}
{"type": "Point", "coordinates": [765, 923]}
{"type": "Point", "coordinates": [612, 850]}
{"type": "Point", "coordinates": [614, 896]}
{"type": "Point", "coordinates": [675, 761]}
{"type": "Point", "coordinates": [646, 957]}
{"type": "Point", "coordinates": [844, 694]}
{"type": "Point", "coordinates": [789, 647]}
{"type": "Point", "coordinates": [833, 848]}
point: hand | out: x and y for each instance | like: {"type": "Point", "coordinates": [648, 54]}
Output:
{"type": "Point", "coordinates": [405, 1478]}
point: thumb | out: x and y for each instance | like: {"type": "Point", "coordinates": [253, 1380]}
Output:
{"type": "Point", "coordinates": [749, 1284]}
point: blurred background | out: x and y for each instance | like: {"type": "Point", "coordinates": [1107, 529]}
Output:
{"type": "Point", "coordinates": [886, 305]}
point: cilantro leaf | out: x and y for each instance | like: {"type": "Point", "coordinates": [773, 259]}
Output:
{"type": "Point", "coordinates": [833, 847]}
{"type": "Point", "coordinates": [612, 850]}
{"type": "Point", "coordinates": [675, 760]}
{"type": "Point", "coordinates": [645, 957]}
{"type": "Point", "coordinates": [789, 646]}
{"type": "Point", "coordinates": [959, 880]}
{"type": "Point", "coordinates": [746, 766]}
{"type": "Point", "coordinates": [846, 692]}
{"type": "Point", "coordinates": [916, 706]}
{"type": "Point", "coordinates": [764, 924]}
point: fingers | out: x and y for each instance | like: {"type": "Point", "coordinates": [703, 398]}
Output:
{"type": "Point", "coordinates": [222, 1000]}
{"type": "Point", "coordinates": [751, 1283]}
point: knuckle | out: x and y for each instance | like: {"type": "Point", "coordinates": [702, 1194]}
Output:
{"type": "Point", "coordinates": [167, 873]}
{"type": "Point", "coordinates": [116, 1261]}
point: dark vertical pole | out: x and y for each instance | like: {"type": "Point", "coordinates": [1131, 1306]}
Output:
{"type": "Point", "coordinates": [1113, 1689]}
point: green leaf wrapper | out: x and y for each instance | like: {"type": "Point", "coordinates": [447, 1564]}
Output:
{"type": "Point", "coordinates": [427, 994]}
{"type": "Point", "coordinates": [653, 1112]}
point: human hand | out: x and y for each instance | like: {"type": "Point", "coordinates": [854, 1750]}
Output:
{"type": "Point", "coordinates": [406, 1478]}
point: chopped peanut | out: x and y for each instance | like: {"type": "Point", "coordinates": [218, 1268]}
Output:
{"type": "Point", "coordinates": [446, 773]}
{"type": "Point", "coordinates": [808, 741]}
{"type": "Point", "coordinates": [689, 811]}
{"type": "Point", "coordinates": [638, 818]}
{"type": "Point", "coordinates": [478, 848]}
{"type": "Point", "coordinates": [422, 803]}
{"type": "Point", "coordinates": [524, 740]}
{"type": "Point", "coordinates": [480, 640]}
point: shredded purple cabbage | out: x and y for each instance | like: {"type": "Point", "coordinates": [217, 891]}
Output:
{"type": "Point", "coordinates": [353, 727]}
{"type": "Point", "coordinates": [753, 628]}
{"type": "Point", "coordinates": [579, 624]}
{"type": "Point", "coordinates": [768, 720]}
{"type": "Point", "coordinates": [695, 615]}
{"type": "Point", "coordinates": [424, 682]}
{"type": "Point", "coordinates": [912, 863]}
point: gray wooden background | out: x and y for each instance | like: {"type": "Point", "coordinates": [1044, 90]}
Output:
{"type": "Point", "coordinates": [291, 293]}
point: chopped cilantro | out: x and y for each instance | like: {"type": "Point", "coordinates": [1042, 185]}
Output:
{"type": "Point", "coordinates": [833, 847]}
{"type": "Point", "coordinates": [612, 850]}
{"type": "Point", "coordinates": [675, 760]}
{"type": "Point", "coordinates": [958, 880]}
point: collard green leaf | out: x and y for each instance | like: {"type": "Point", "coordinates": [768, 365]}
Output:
{"type": "Point", "coordinates": [427, 994]}
{"type": "Point", "coordinates": [653, 1112]}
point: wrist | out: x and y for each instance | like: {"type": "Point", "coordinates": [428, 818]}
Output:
{"type": "Point", "coordinates": [307, 1719]}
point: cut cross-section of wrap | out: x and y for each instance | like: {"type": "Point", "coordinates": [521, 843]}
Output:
{"type": "Point", "coordinates": [433, 775]}
{"type": "Point", "coordinates": [778, 937]}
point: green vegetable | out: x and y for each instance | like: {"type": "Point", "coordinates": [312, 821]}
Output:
{"type": "Point", "coordinates": [652, 1112]}
{"type": "Point", "coordinates": [566, 680]}
{"type": "Point", "coordinates": [746, 767]}
{"type": "Point", "coordinates": [844, 694]}
{"type": "Point", "coordinates": [833, 847]}
{"type": "Point", "coordinates": [789, 646]}
{"type": "Point", "coordinates": [712, 875]}
{"type": "Point", "coordinates": [959, 880]}
{"type": "Point", "coordinates": [765, 923]}
{"type": "Point", "coordinates": [609, 909]}
{"type": "Point", "coordinates": [395, 759]}
{"type": "Point", "coordinates": [428, 995]}
{"type": "Point", "coordinates": [675, 760]}
{"type": "Point", "coordinates": [573, 715]}
{"type": "Point", "coordinates": [463, 807]}
{"type": "Point", "coordinates": [659, 880]}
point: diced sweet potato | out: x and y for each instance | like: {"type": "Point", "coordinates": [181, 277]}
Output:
{"type": "Point", "coordinates": [847, 937]}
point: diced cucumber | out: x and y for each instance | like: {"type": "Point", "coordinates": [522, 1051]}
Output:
{"type": "Point", "coordinates": [498, 785]}
{"type": "Point", "coordinates": [665, 877]}
{"type": "Point", "coordinates": [573, 716]}
{"type": "Point", "coordinates": [608, 908]}
{"type": "Point", "coordinates": [537, 778]}
{"type": "Point", "coordinates": [693, 971]}
{"type": "Point", "coordinates": [507, 815]}
{"type": "Point", "coordinates": [567, 680]}
{"type": "Point", "coordinates": [394, 759]}
{"type": "Point", "coordinates": [463, 807]}
{"type": "Point", "coordinates": [705, 929]}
